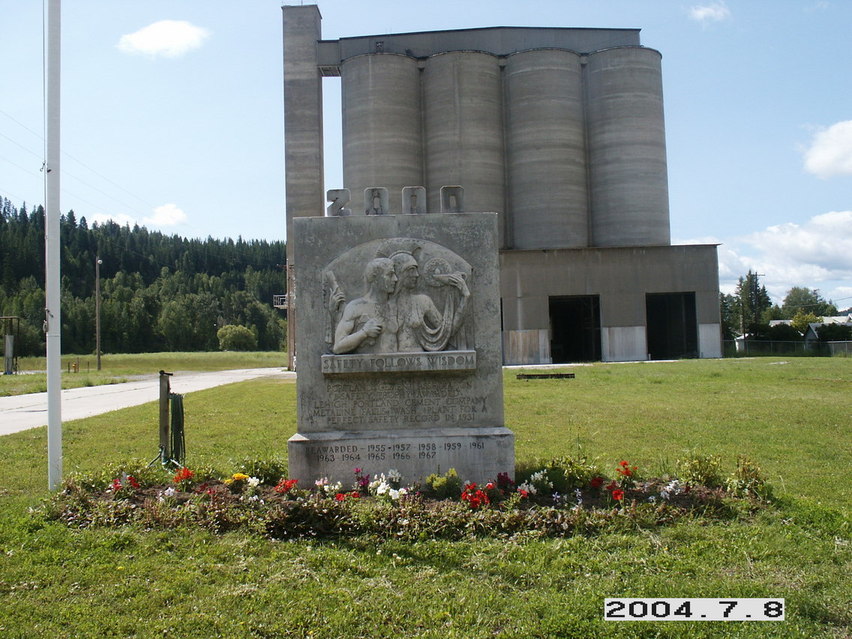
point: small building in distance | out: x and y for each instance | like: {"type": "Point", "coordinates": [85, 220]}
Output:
{"type": "Point", "coordinates": [560, 131]}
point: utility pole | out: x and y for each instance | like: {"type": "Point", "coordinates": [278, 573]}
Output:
{"type": "Point", "coordinates": [98, 262]}
{"type": "Point", "coordinates": [52, 318]}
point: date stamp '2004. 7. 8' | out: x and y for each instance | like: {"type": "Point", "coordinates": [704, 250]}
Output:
{"type": "Point", "coordinates": [698, 609]}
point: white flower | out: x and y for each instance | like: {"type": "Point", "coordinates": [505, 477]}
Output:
{"type": "Point", "coordinates": [527, 486]}
{"type": "Point", "coordinates": [394, 494]}
{"type": "Point", "coordinates": [253, 482]}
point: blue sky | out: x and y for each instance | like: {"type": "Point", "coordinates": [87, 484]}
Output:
{"type": "Point", "coordinates": [172, 116]}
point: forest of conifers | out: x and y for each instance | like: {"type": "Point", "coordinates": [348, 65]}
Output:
{"type": "Point", "coordinates": [158, 292]}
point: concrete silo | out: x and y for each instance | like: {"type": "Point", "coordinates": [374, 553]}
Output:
{"type": "Point", "coordinates": [381, 126]}
{"type": "Point", "coordinates": [560, 130]}
{"type": "Point", "coordinates": [545, 149]}
{"type": "Point", "coordinates": [627, 148]}
{"type": "Point", "coordinates": [463, 129]}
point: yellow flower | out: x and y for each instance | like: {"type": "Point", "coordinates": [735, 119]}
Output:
{"type": "Point", "coordinates": [239, 477]}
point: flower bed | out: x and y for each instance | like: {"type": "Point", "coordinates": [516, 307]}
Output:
{"type": "Point", "coordinates": [559, 498]}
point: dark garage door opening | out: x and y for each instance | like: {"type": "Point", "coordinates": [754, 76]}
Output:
{"type": "Point", "coordinates": [671, 325]}
{"type": "Point", "coordinates": [575, 329]}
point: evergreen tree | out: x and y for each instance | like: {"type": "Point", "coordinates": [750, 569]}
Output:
{"type": "Point", "coordinates": [752, 302]}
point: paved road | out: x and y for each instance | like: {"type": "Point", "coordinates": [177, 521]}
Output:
{"type": "Point", "coordinates": [22, 412]}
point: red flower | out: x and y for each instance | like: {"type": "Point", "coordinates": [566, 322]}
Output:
{"type": "Point", "coordinates": [286, 485]}
{"type": "Point", "coordinates": [504, 481]}
{"type": "Point", "coordinates": [489, 486]}
{"type": "Point", "coordinates": [116, 484]}
{"type": "Point", "coordinates": [183, 474]}
{"type": "Point", "coordinates": [133, 482]}
{"type": "Point", "coordinates": [474, 496]}
{"type": "Point", "coordinates": [625, 470]}
{"type": "Point", "coordinates": [611, 486]}
{"type": "Point", "coordinates": [340, 496]}
{"type": "Point", "coordinates": [355, 494]}
{"type": "Point", "coordinates": [618, 494]}
{"type": "Point", "coordinates": [596, 482]}
{"type": "Point", "coordinates": [523, 493]}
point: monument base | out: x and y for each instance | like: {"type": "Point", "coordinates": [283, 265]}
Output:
{"type": "Point", "coordinates": [477, 454]}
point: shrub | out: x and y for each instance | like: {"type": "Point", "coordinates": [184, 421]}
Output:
{"type": "Point", "coordinates": [268, 471]}
{"type": "Point", "coordinates": [834, 332]}
{"type": "Point", "coordinates": [236, 338]}
{"type": "Point", "coordinates": [748, 480]}
{"type": "Point", "coordinates": [567, 473]}
{"type": "Point", "coordinates": [702, 470]}
{"type": "Point", "coordinates": [446, 486]}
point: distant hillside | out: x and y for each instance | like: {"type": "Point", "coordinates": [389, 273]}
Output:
{"type": "Point", "coordinates": [158, 292]}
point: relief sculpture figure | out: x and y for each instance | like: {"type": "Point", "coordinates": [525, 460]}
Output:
{"type": "Point", "coordinates": [368, 323]}
{"type": "Point", "coordinates": [421, 326]}
{"type": "Point", "coordinates": [408, 306]}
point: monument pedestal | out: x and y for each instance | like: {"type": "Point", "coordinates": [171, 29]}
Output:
{"type": "Point", "coordinates": [477, 454]}
{"type": "Point", "coordinates": [400, 361]}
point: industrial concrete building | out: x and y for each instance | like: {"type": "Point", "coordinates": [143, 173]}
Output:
{"type": "Point", "coordinates": [558, 130]}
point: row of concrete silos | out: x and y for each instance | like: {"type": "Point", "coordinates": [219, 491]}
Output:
{"type": "Point", "coordinates": [568, 148]}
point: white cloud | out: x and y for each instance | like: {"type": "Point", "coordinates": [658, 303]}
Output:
{"type": "Point", "coordinates": [166, 215]}
{"type": "Point", "coordinates": [714, 12]}
{"type": "Point", "coordinates": [830, 152]}
{"type": "Point", "coordinates": [167, 38]}
{"type": "Point", "coordinates": [816, 254]}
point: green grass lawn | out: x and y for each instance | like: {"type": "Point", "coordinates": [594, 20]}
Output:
{"type": "Point", "coordinates": [792, 418]}
{"type": "Point", "coordinates": [81, 370]}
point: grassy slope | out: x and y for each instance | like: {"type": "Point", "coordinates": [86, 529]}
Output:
{"type": "Point", "coordinates": [792, 418]}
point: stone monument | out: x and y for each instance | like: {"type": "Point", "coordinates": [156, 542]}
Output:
{"type": "Point", "coordinates": [399, 350]}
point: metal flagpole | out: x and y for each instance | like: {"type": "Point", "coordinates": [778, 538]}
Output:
{"type": "Point", "coordinates": [53, 320]}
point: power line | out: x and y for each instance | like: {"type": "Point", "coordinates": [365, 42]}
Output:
{"type": "Point", "coordinates": [79, 179]}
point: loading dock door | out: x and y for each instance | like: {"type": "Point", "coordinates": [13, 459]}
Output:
{"type": "Point", "coordinates": [575, 329]}
{"type": "Point", "coordinates": [671, 325]}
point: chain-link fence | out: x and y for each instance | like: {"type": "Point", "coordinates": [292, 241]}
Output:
{"type": "Point", "coordinates": [758, 348]}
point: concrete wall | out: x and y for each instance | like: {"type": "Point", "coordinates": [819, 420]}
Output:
{"type": "Point", "coordinates": [621, 277]}
{"type": "Point", "coordinates": [303, 157]}
{"type": "Point", "coordinates": [494, 40]}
